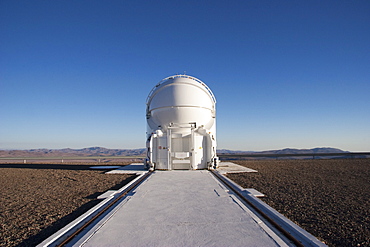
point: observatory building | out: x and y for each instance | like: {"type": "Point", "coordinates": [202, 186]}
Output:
{"type": "Point", "coordinates": [181, 125]}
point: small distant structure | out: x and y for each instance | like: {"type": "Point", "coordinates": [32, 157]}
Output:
{"type": "Point", "coordinates": [181, 125]}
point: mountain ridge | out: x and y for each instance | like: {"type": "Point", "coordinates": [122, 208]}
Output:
{"type": "Point", "coordinates": [101, 151]}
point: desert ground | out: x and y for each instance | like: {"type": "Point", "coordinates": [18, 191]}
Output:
{"type": "Point", "coordinates": [328, 198]}
{"type": "Point", "coordinates": [38, 199]}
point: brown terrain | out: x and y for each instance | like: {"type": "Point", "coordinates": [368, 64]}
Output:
{"type": "Point", "coordinates": [38, 199]}
{"type": "Point", "coordinates": [328, 198]}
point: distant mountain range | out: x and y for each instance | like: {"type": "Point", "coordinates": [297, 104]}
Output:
{"type": "Point", "coordinates": [286, 151]}
{"type": "Point", "coordinates": [100, 151]}
{"type": "Point", "coordinates": [84, 152]}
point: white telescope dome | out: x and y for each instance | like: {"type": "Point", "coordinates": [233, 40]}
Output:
{"type": "Point", "coordinates": [181, 131]}
{"type": "Point", "coordinates": [180, 99]}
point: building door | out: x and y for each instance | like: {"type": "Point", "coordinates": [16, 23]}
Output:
{"type": "Point", "coordinates": [180, 152]}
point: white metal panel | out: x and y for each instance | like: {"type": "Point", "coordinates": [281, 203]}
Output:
{"type": "Point", "coordinates": [164, 116]}
{"type": "Point", "coordinates": [182, 155]}
{"type": "Point", "coordinates": [181, 94]}
{"type": "Point", "coordinates": [181, 161]}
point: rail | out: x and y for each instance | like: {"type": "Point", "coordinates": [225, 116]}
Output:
{"type": "Point", "coordinates": [63, 237]}
{"type": "Point", "coordinates": [291, 231]}
{"type": "Point", "coordinates": [313, 155]}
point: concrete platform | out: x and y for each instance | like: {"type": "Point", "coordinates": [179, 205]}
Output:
{"type": "Point", "coordinates": [134, 168]}
{"type": "Point", "coordinates": [104, 167]}
{"type": "Point", "coordinates": [224, 167]}
{"type": "Point", "coordinates": [229, 167]}
{"type": "Point", "coordinates": [180, 208]}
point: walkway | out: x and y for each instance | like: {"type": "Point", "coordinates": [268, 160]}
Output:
{"type": "Point", "coordinates": [181, 208]}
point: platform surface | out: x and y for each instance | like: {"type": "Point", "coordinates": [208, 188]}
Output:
{"type": "Point", "coordinates": [136, 168]}
{"type": "Point", "coordinates": [224, 167]}
{"type": "Point", "coordinates": [229, 167]}
{"type": "Point", "coordinates": [181, 208]}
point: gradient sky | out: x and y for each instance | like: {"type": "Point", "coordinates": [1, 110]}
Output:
{"type": "Point", "coordinates": [285, 73]}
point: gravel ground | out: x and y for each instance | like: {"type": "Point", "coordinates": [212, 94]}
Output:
{"type": "Point", "coordinates": [328, 198]}
{"type": "Point", "coordinates": [36, 200]}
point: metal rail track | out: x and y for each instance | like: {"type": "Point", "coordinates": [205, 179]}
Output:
{"type": "Point", "coordinates": [102, 211]}
{"type": "Point", "coordinates": [292, 232]}
{"type": "Point", "coordinates": [298, 237]}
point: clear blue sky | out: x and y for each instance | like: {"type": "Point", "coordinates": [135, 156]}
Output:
{"type": "Point", "coordinates": [285, 73]}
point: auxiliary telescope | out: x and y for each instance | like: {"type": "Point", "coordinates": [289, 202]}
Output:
{"type": "Point", "coordinates": [181, 125]}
